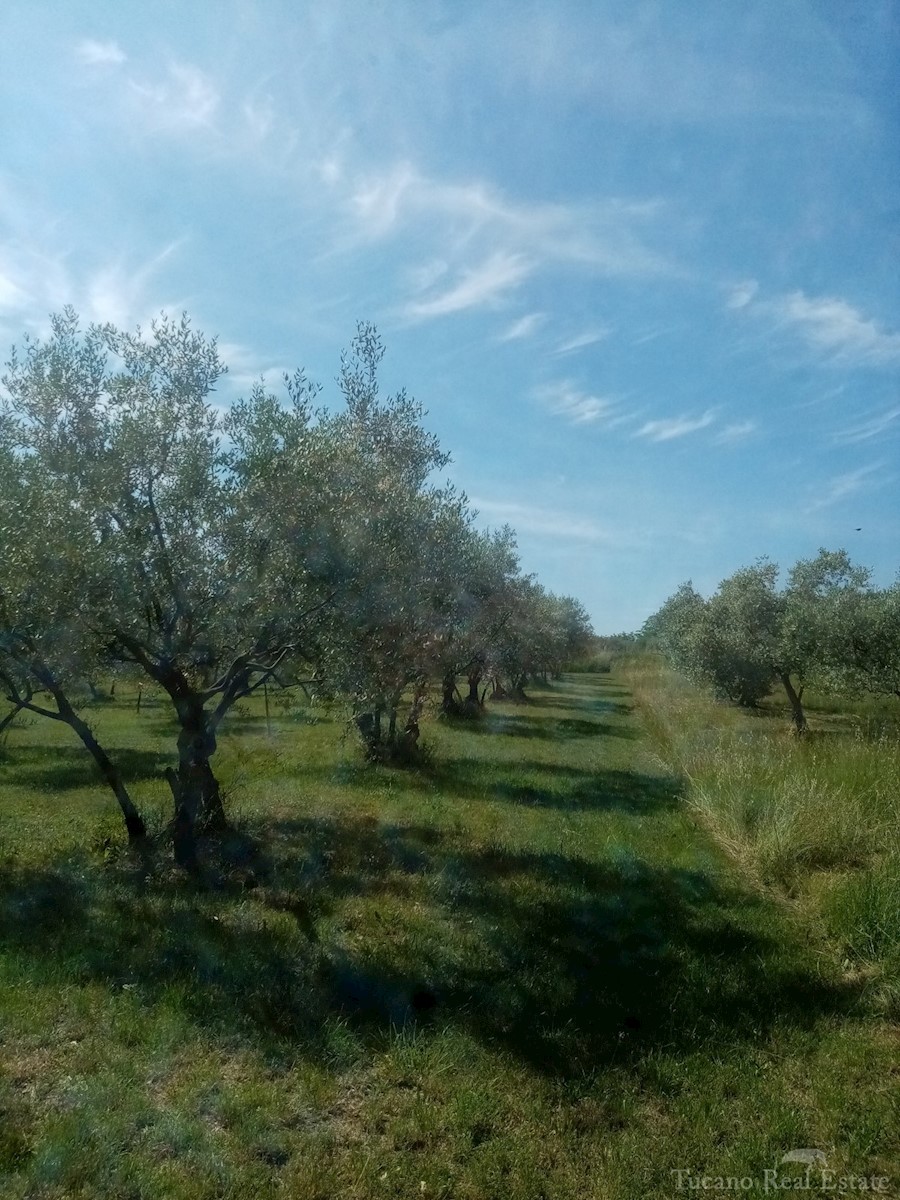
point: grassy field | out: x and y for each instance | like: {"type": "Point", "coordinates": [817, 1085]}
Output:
{"type": "Point", "coordinates": [526, 971]}
{"type": "Point", "coordinates": [814, 818]}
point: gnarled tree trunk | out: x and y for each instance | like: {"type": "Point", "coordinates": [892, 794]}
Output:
{"type": "Point", "coordinates": [448, 693]}
{"type": "Point", "coordinates": [795, 698]}
{"type": "Point", "coordinates": [195, 789]}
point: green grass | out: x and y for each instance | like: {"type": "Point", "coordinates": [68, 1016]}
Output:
{"type": "Point", "coordinates": [815, 817]}
{"type": "Point", "coordinates": [525, 971]}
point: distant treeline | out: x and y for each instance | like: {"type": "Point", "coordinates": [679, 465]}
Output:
{"type": "Point", "coordinates": [826, 625]}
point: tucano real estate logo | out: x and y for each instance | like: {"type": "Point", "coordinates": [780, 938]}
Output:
{"type": "Point", "coordinates": [802, 1170]}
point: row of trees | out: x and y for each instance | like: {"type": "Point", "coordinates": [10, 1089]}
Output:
{"type": "Point", "coordinates": [145, 530]}
{"type": "Point", "coordinates": [827, 624]}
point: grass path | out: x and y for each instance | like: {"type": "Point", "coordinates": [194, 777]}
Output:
{"type": "Point", "coordinates": [522, 973]}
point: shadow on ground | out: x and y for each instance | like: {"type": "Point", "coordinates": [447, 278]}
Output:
{"type": "Point", "coordinates": [601, 706]}
{"type": "Point", "coordinates": [547, 785]}
{"type": "Point", "coordinates": [567, 964]}
{"type": "Point", "coordinates": [544, 727]}
{"type": "Point", "coordinates": [61, 768]}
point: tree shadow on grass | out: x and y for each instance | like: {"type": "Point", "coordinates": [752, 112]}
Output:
{"type": "Point", "coordinates": [566, 963]}
{"type": "Point", "coordinates": [546, 785]}
{"type": "Point", "coordinates": [597, 704]}
{"type": "Point", "coordinates": [61, 768]}
{"type": "Point", "coordinates": [600, 681]}
{"type": "Point", "coordinates": [552, 729]}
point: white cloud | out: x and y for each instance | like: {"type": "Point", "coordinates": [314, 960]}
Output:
{"type": "Point", "coordinates": [426, 275]}
{"type": "Point", "coordinates": [185, 99]}
{"type": "Point", "coordinates": [833, 325]}
{"type": "Point", "coordinates": [827, 324]}
{"type": "Point", "coordinates": [377, 201]}
{"type": "Point", "coordinates": [578, 407]}
{"type": "Point", "coordinates": [603, 235]}
{"type": "Point", "coordinates": [331, 169]}
{"type": "Point", "coordinates": [121, 295]}
{"type": "Point", "coordinates": [553, 523]}
{"type": "Point", "coordinates": [477, 286]}
{"type": "Point", "coordinates": [11, 294]}
{"type": "Point", "coordinates": [36, 280]}
{"type": "Point", "coordinates": [523, 328]}
{"type": "Point", "coordinates": [246, 368]}
{"type": "Point", "coordinates": [841, 486]}
{"type": "Point", "coordinates": [653, 335]}
{"type": "Point", "coordinates": [735, 432]}
{"type": "Point", "coordinates": [474, 223]}
{"type": "Point", "coordinates": [667, 428]}
{"type": "Point", "coordinates": [589, 338]}
{"type": "Point", "coordinates": [100, 54]}
{"type": "Point", "coordinates": [869, 429]}
{"type": "Point", "coordinates": [742, 293]}
{"type": "Point", "coordinates": [259, 117]}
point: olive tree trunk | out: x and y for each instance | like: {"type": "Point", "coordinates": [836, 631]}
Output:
{"type": "Point", "coordinates": [195, 789]}
{"type": "Point", "coordinates": [795, 698]}
{"type": "Point", "coordinates": [134, 822]}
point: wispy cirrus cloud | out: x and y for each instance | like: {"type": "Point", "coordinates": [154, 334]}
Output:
{"type": "Point", "coordinates": [383, 200]}
{"type": "Point", "coordinates": [525, 327]}
{"type": "Point", "coordinates": [476, 287]}
{"type": "Point", "coordinates": [377, 200]}
{"type": "Point", "coordinates": [12, 295]}
{"type": "Point", "coordinates": [828, 325]}
{"type": "Point", "coordinates": [94, 53]}
{"type": "Point", "coordinates": [175, 97]}
{"type": "Point", "coordinates": [666, 429]}
{"type": "Point", "coordinates": [736, 432]}
{"type": "Point", "coordinates": [847, 484]}
{"type": "Point", "coordinates": [742, 294]}
{"type": "Point", "coordinates": [836, 327]}
{"type": "Point", "coordinates": [119, 293]}
{"type": "Point", "coordinates": [493, 243]}
{"type": "Point", "coordinates": [554, 523]}
{"type": "Point", "coordinates": [874, 426]}
{"type": "Point", "coordinates": [185, 98]}
{"type": "Point", "coordinates": [425, 275]}
{"type": "Point", "coordinates": [36, 280]}
{"type": "Point", "coordinates": [578, 407]}
{"type": "Point", "coordinates": [259, 116]}
{"type": "Point", "coordinates": [246, 367]}
{"type": "Point", "coordinates": [589, 338]}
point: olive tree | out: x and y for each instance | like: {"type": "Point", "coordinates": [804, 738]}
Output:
{"type": "Point", "coordinates": [184, 569]}
{"type": "Point", "coordinates": [680, 631]}
{"type": "Point", "coordinates": [734, 642]}
{"type": "Point", "coordinates": [399, 536]}
{"type": "Point", "coordinates": [855, 627]}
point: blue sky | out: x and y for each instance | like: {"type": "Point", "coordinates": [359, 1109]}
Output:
{"type": "Point", "coordinates": [638, 260]}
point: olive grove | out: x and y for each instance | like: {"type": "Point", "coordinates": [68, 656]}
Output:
{"type": "Point", "coordinates": [146, 529]}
